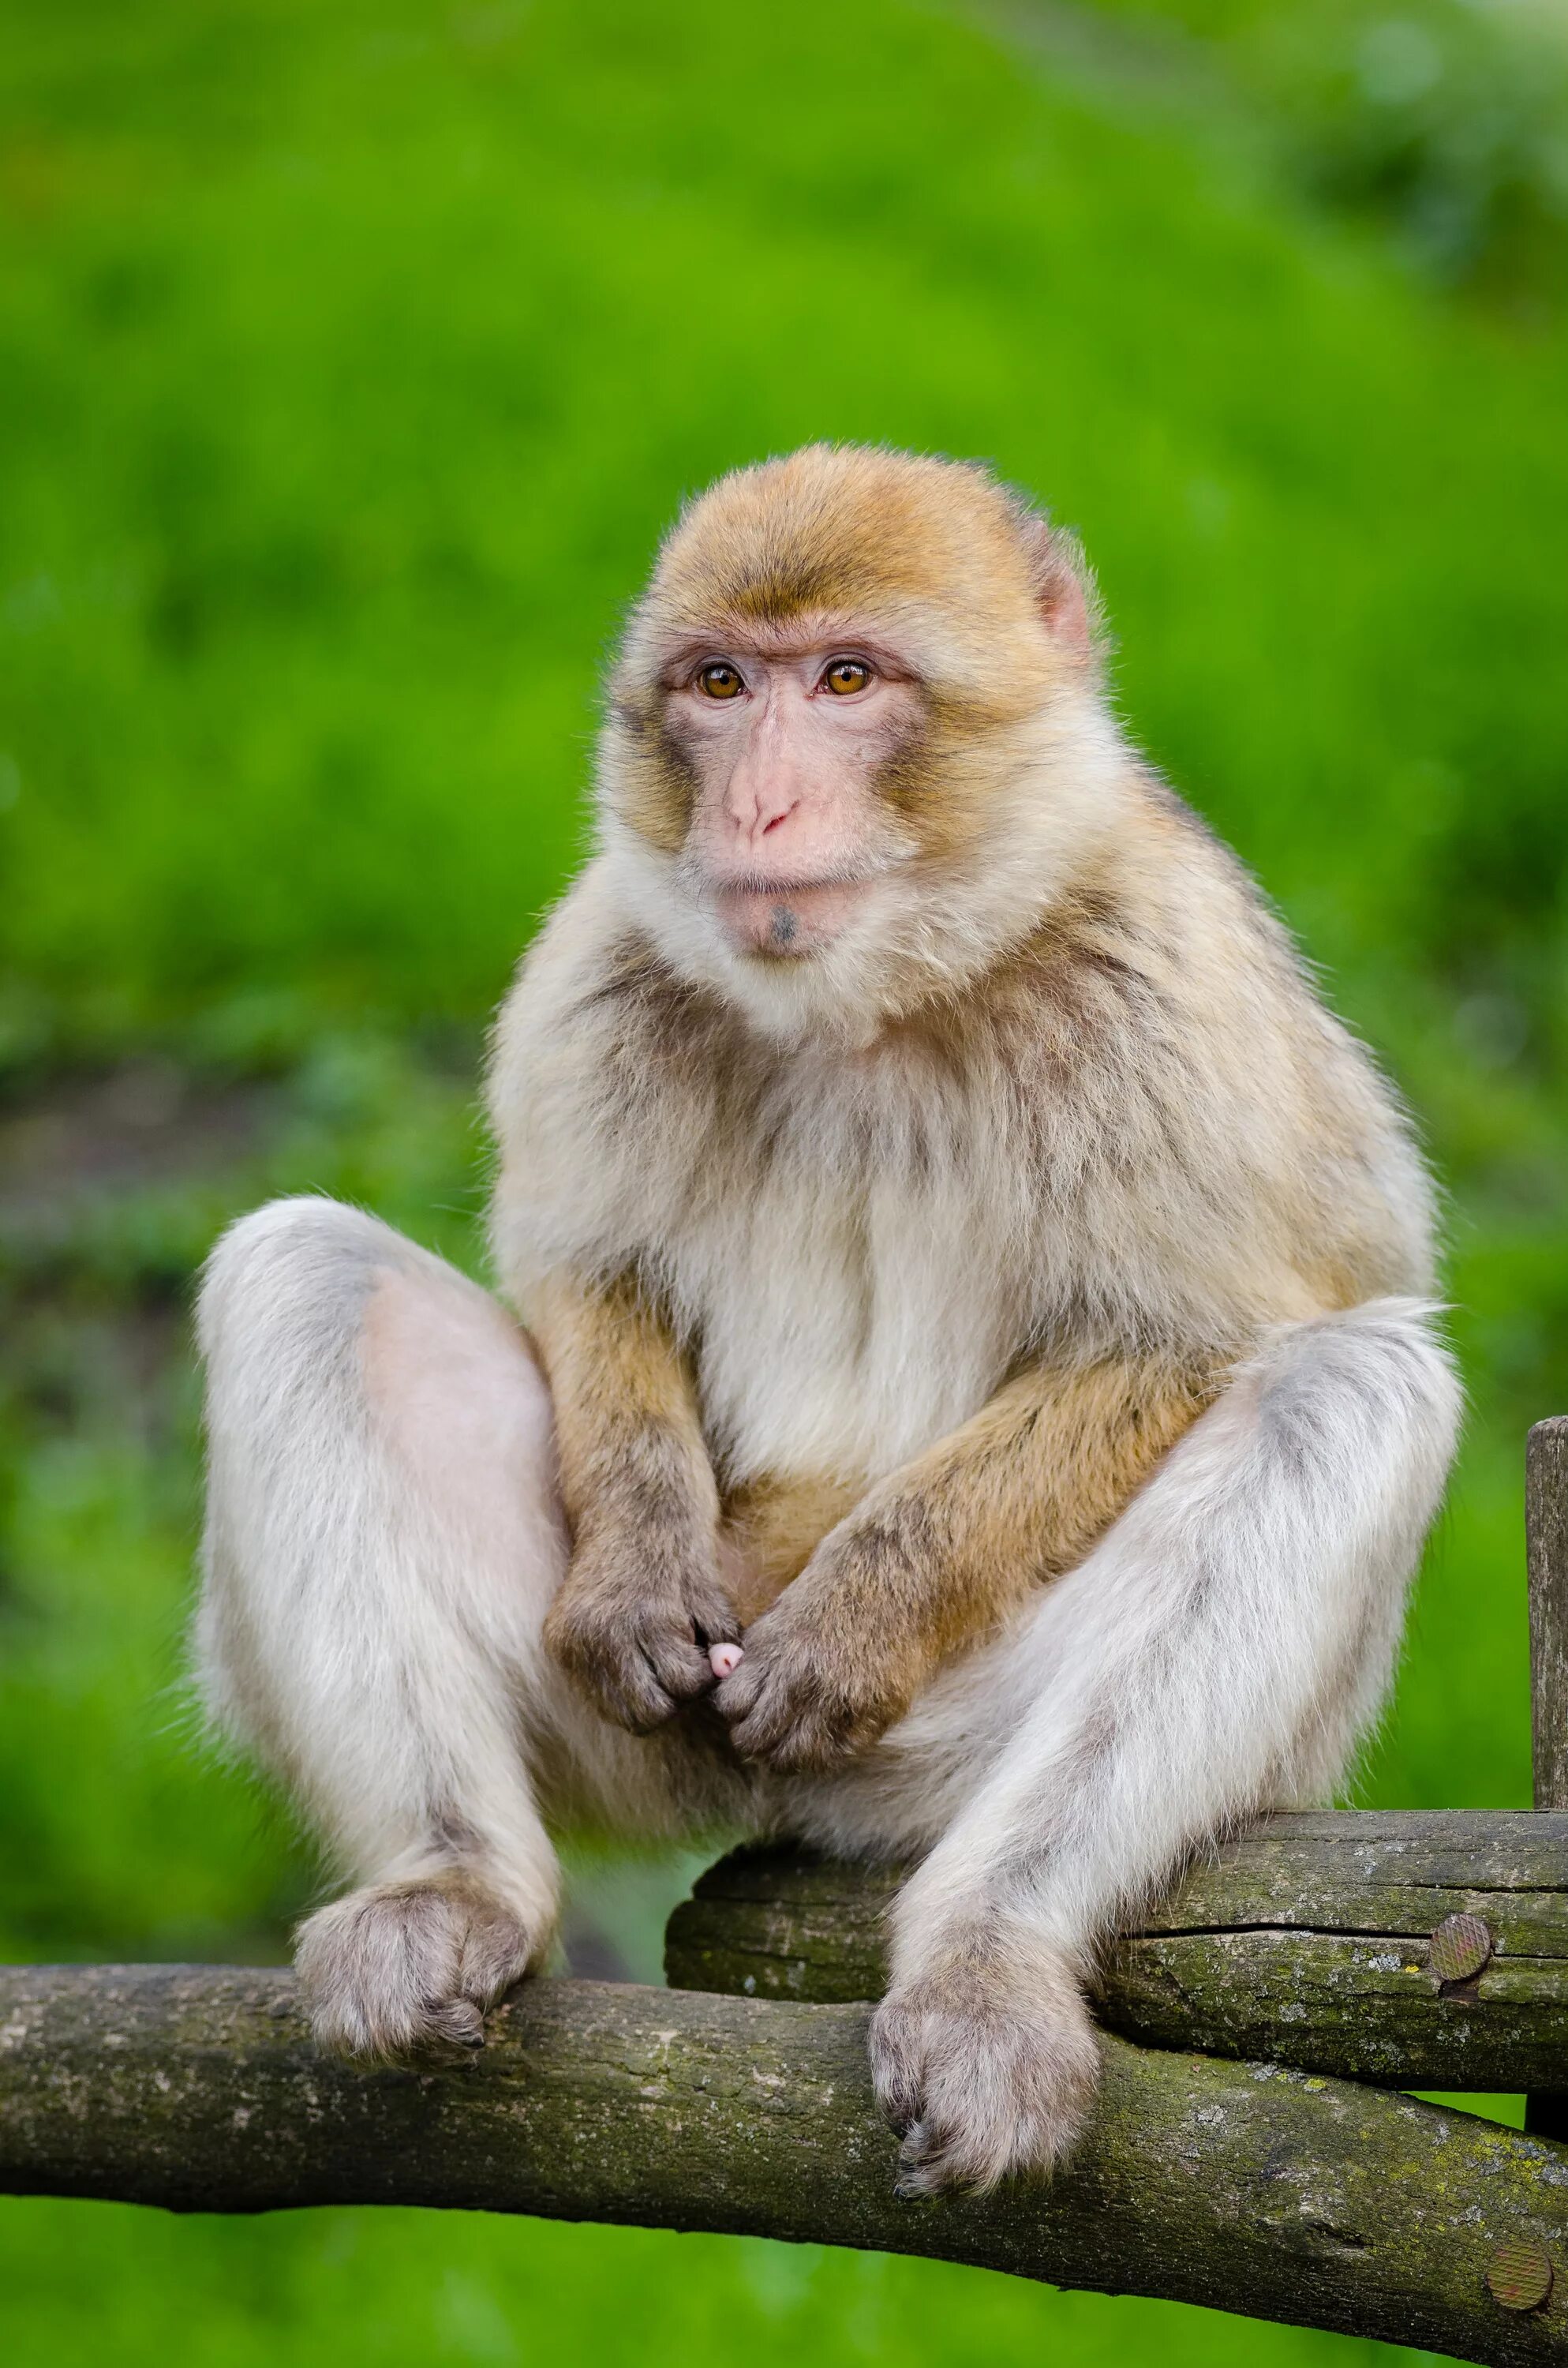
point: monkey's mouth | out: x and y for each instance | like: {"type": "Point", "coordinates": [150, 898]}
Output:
{"type": "Point", "coordinates": [785, 919]}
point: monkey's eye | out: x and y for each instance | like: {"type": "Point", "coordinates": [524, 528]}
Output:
{"type": "Point", "coordinates": [845, 676]}
{"type": "Point", "coordinates": [719, 681]}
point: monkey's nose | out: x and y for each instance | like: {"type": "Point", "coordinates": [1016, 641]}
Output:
{"type": "Point", "coordinates": [754, 828]}
{"type": "Point", "coordinates": [755, 808]}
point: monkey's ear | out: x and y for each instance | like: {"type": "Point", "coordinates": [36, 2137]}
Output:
{"type": "Point", "coordinates": [1064, 589]}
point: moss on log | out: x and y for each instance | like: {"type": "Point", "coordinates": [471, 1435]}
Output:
{"type": "Point", "coordinates": [1305, 1944]}
{"type": "Point", "coordinates": [1247, 2188]}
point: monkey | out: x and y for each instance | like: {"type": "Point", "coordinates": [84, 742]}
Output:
{"type": "Point", "coordinates": [965, 1388]}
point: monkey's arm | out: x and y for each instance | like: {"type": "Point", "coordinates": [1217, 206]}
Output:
{"type": "Point", "coordinates": [641, 1601]}
{"type": "Point", "coordinates": [934, 1558]}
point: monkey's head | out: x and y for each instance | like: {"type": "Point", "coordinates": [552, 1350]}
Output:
{"type": "Point", "coordinates": [855, 743]}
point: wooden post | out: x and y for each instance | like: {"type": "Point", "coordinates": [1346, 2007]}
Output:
{"type": "Point", "coordinates": [1546, 1549]}
{"type": "Point", "coordinates": [1546, 1546]}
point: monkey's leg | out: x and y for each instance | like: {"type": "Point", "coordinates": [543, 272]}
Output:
{"type": "Point", "coordinates": [1219, 1652]}
{"type": "Point", "coordinates": [382, 1543]}
{"type": "Point", "coordinates": [939, 1554]}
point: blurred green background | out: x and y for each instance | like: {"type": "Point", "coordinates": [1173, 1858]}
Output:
{"type": "Point", "coordinates": [351, 358]}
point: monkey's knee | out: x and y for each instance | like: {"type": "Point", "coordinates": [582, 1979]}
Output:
{"type": "Point", "coordinates": [290, 1272]}
{"type": "Point", "coordinates": [339, 1353]}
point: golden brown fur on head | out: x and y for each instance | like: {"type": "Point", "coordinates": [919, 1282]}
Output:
{"type": "Point", "coordinates": [976, 620]}
{"type": "Point", "coordinates": [936, 550]}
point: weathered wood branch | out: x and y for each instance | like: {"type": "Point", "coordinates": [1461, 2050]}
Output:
{"type": "Point", "coordinates": [1251, 2188]}
{"type": "Point", "coordinates": [1304, 1943]}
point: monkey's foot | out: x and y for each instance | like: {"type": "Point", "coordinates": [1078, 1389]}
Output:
{"type": "Point", "coordinates": [984, 2068]}
{"type": "Point", "coordinates": [402, 1966]}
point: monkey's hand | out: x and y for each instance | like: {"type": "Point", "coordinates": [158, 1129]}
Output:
{"type": "Point", "coordinates": [633, 1623]}
{"type": "Point", "coordinates": [833, 1665]}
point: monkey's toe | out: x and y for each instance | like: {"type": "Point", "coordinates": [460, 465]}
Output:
{"type": "Point", "coordinates": [402, 1967]}
{"type": "Point", "coordinates": [982, 2079]}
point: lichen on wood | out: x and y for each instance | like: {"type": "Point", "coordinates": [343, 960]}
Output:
{"type": "Point", "coordinates": [1305, 1942]}
{"type": "Point", "coordinates": [1247, 2188]}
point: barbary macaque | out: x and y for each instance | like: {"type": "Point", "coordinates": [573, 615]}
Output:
{"type": "Point", "coordinates": [950, 1255]}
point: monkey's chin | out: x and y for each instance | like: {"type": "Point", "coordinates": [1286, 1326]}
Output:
{"type": "Point", "coordinates": [787, 923]}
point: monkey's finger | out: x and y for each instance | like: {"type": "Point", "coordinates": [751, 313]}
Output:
{"type": "Point", "coordinates": [607, 1666]}
{"type": "Point", "coordinates": [628, 1693]}
{"type": "Point", "coordinates": [457, 2022]}
{"type": "Point", "coordinates": [792, 1724]}
{"type": "Point", "coordinates": [714, 1620]}
{"type": "Point", "coordinates": [756, 1709]}
{"type": "Point", "coordinates": [736, 1694]}
{"type": "Point", "coordinates": [651, 1707]}
{"type": "Point", "coordinates": [896, 2074]}
{"type": "Point", "coordinates": [921, 2171]}
{"type": "Point", "coordinates": [750, 1739]}
{"type": "Point", "coordinates": [494, 1954]}
{"type": "Point", "coordinates": [766, 1729]}
{"type": "Point", "coordinates": [681, 1669]}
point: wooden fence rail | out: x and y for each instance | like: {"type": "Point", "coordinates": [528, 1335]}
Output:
{"type": "Point", "coordinates": [1412, 1951]}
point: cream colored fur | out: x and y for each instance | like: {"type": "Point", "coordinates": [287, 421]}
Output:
{"type": "Point", "coordinates": [866, 1186]}
{"type": "Point", "coordinates": [861, 1288]}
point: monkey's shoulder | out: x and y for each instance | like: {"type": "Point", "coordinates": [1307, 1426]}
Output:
{"type": "Point", "coordinates": [1180, 1085]}
{"type": "Point", "coordinates": [594, 989]}
{"type": "Point", "coordinates": [1129, 984]}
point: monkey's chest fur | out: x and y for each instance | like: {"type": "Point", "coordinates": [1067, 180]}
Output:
{"type": "Point", "coordinates": [858, 1291]}
{"type": "Point", "coordinates": [864, 1298]}
{"type": "Point", "coordinates": [854, 1251]}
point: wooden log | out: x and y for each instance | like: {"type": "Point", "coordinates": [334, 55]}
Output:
{"type": "Point", "coordinates": [1546, 1556]}
{"type": "Point", "coordinates": [1248, 2189]}
{"type": "Point", "coordinates": [1306, 1942]}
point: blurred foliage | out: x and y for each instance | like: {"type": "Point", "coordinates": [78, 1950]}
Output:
{"type": "Point", "coordinates": [1453, 121]}
{"type": "Point", "coordinates": [1444, 119]}
{"type": "Point", "coordinates": [353, 353]}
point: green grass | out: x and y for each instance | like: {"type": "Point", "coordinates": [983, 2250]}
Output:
{"type": "Point", "coordinates": [385, 2287]}
{"type": "Point", "coordinates": [351, 358]}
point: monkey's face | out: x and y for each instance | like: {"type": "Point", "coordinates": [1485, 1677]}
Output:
{"type": "Point", "coordinates": [787, 734]}
{"type": "Point", "coordinates": [831, 770]}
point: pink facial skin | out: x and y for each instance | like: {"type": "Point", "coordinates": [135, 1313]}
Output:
{"type": "Point", "coordinates": [789, 833]}
{"type": "Point", "coordinates": [725, 1659]}
{"type": "Point", "coordinates": [789, 921]}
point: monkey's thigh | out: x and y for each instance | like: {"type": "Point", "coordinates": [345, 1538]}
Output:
{"type": "Point", "coordinates": [384, 1539]}
{"type": "Point", "coordinates": [465, 1401]}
